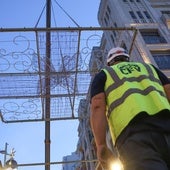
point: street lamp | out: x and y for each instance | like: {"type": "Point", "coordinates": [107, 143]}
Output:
{"type": "Point", "coordinates": [10, 164]}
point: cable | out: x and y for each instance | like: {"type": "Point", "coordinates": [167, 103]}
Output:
{"type": "Point", "coordinates": [54, 15]}
{"type": "Point", "coordinates": [40, 16]}
{"type": "Point", "coordinates": [67, 14]}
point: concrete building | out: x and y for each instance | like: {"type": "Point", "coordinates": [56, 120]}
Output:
{"type": "Point", "coordinates": [86, 141]}
{"type": "Point", "coordinates": [73, 165]}
{"type": "Point", "coordinates": [151, 19]}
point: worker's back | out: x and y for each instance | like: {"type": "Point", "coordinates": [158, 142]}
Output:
{"type": "Point", "coordinates": [132, 88]}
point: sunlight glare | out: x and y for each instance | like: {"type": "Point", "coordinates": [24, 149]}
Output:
{"type": "Point", "coordinates": [116, 165]}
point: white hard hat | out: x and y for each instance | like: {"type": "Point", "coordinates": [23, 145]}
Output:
{"type": "Point", "coordinates": [117, 51]}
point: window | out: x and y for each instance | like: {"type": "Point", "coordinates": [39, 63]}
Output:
{"type": "Point", "coordinates": [142, 19]}
{"type": "Point", "coordinates": [85, 145]}
{"type": "Point", "coordinates": [166, 13]}
{"type": "Point", "coordinates": [140, 15]}
{"type": "Point", "coordinates": [115, 24]}
{"type": "Point", "coordinates": [162, 59]}
{"type": "Point", "coordinates": [123, 45]}
{"type": "Point", "coordinates": [108, 9]}
{"type": "Point", "coordinates": [152, 37]}
{"type": "Point", "coordinates": [114, 33]}
{"type": "Point", "coordinates": [105, 20]}
{"type": "Point", "coordinates": [147, 14]}
{"type": "Point", "coordinates": [132, 14]}
{"type": "Point", "coordinates": [112, 38]}
{"type": "Point", "coordinates": [107, 16]}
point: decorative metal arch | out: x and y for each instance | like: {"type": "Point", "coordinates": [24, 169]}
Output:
{"type": "Point", "coordinates": [24, 70]}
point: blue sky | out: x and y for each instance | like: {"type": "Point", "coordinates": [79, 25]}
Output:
{"type": "Point", "coordinates": [25, 13]}
{"type": "Point", "coordinates": [28, 138]}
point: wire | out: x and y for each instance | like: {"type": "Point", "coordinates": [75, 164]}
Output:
{"type": "Point", "coordinates": [40, 16]}
{"type": "Point", "coordinates": [54, 15]}
{"type": "Point", "coordinates": [67, 14]}
{"type": "Point", "coordinates": [55, 23]}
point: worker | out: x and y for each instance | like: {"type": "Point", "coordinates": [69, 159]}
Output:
{"type": "Point", "coordinates": [132, 99]}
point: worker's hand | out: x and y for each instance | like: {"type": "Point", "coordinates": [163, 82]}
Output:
{"type": "Point", "coordinates": [105, 157]}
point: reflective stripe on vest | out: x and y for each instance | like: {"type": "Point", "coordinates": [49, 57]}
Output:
{"type": "Point", "coordinates": [132, 88]}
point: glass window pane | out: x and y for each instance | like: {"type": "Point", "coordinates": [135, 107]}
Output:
{"type": "Point", "coordinates": [132, 14]}
{"type": "Point", "coordinates": [153, 38]}
{"type": "Point", "coordinates": [162, 60]}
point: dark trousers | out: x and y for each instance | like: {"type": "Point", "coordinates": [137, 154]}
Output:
{"type": "Point", "coordinates": [146, 151]}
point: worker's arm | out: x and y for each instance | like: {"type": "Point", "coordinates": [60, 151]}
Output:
{"type": "Point", "coordinates": [99, 125]}
{"type": "Point", "coordinates": [98, 118]}
{"type": "Point", "coordinates": [167, 91]}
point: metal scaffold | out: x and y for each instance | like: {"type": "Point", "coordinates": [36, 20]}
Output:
{"type": "Point", "coordinates": [27, 73]}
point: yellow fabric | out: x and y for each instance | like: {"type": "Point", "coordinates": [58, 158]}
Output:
{"type": "Point", "coordinates": [133, 102]}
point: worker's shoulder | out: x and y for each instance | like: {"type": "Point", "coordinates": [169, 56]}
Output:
{"type": "Point", "coordinates": [100, 75]}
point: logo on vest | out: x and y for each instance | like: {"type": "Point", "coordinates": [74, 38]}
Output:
{"type": "Point", "coordinates": [129, 68]}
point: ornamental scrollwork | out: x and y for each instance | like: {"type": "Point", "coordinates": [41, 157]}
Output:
{"type": "Point", "coordinates": [24, 76]}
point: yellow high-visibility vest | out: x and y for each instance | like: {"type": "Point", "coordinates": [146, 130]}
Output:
{"type": "Point", "coordinates": [132, 88]}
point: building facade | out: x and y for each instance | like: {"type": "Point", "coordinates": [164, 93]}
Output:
{"type": "Point", "coordinates": [151, 19]}
{"type": "Point", "coordinates": [73, 165]}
